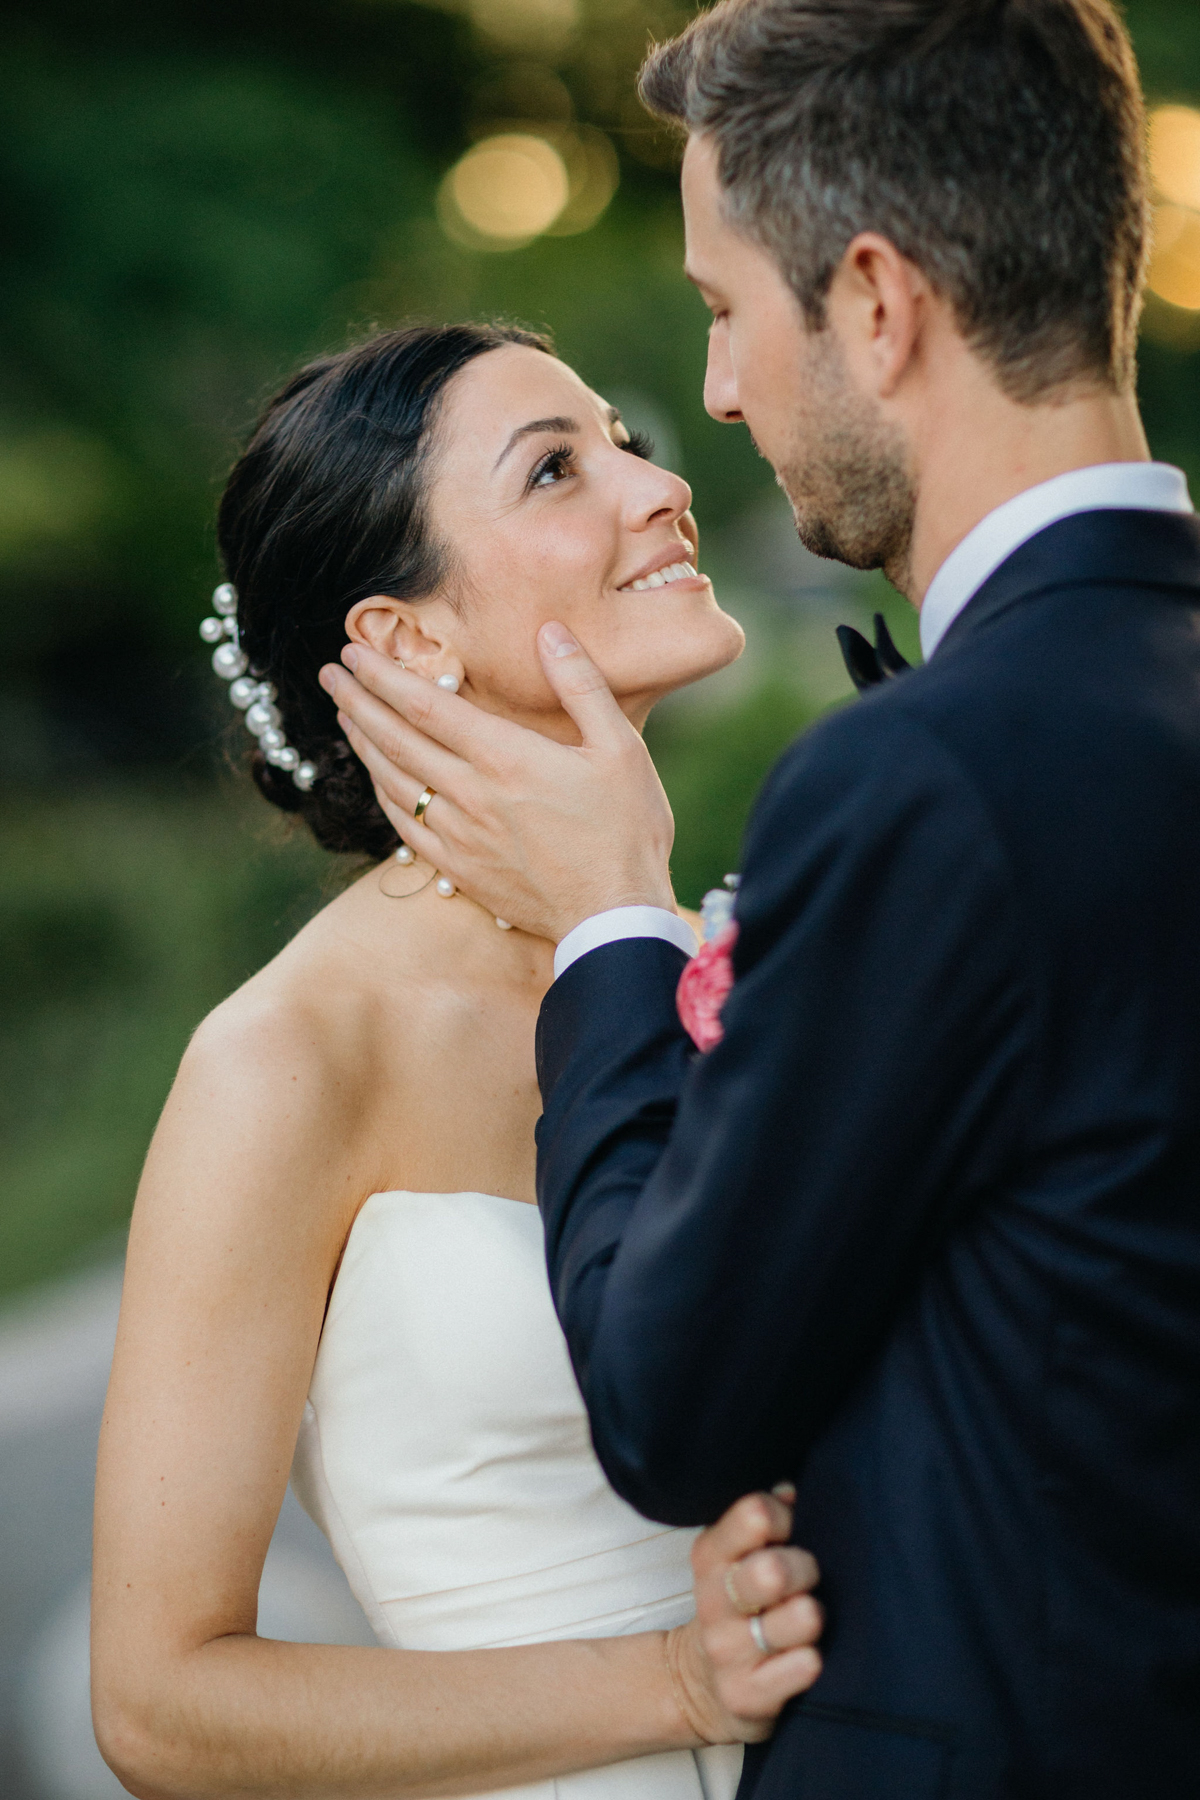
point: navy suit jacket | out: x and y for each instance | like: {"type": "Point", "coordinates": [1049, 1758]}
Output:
{"type": "Point", "coordinates": [923, 1233]}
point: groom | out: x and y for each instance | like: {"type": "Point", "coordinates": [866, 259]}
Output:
{"type": "Point", "coordinates": [923, 1232]}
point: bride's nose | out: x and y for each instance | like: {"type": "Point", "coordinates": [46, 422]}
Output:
{"type": "Point", "coordinates": [656, 497]}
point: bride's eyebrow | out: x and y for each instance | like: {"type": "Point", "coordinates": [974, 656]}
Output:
{"type": "Point", "coordinates": [558, 423]}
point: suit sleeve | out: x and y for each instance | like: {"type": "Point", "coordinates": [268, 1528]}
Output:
{"type": "Point", "coordinates": [730, 1236]}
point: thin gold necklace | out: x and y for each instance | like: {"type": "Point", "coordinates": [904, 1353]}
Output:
{"type": "Point", "coordinates": [406, 856]}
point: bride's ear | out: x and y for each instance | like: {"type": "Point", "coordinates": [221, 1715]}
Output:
{"type": "Point", "coordinates": [397, 629]}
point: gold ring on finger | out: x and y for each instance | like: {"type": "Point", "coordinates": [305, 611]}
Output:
{"type": "Point", "coordinates": [759, 1636]}
{"type": "Point", "coordinates": [735, 1599]}
{"type": "Point", "coordinates": [422, 803]}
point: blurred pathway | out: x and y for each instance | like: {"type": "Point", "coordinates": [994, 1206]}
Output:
{"type": "Point", "coordinates": [55, 1349]}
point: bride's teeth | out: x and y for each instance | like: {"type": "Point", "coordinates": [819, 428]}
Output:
{"type": "Point", "coordinates": [676, 572]}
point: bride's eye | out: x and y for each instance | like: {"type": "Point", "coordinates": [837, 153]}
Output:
{"type": "Point", "coordinates": [640, 443]}
{"type": "Point", "coordinates": [554, 467]}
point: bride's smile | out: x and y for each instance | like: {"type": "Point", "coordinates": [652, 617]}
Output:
{"type": "Point", "coordinates": [545, 507]}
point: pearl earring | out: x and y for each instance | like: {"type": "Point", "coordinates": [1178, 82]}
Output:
{"type": "Point", "coordinates": [445, 887]}
{"type": "Point", "coordinates": [449, 682]}
{"type": "Point", "coordinates": [405, 854]}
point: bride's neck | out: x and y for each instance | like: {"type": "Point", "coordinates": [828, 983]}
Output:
{"type": "Point", "coordinates": [398, 922]}
{"type": "Point", "coordinates": [553, 722]}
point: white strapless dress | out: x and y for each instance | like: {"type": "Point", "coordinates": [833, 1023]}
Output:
{"type": "Point", "coordinates": [445, 1454]}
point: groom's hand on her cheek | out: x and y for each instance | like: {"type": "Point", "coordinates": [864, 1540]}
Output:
{"type": "Point", "coordinates": [542, 834]}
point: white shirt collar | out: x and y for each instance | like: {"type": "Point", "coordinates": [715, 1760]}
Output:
{"type": "Point", "coordinates": [1141, 486]}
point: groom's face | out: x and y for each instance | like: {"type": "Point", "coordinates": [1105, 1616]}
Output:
{"type": "Point", "coordinates": [841, 463]}
{"type": "Point", "coordinates": [758, 344]}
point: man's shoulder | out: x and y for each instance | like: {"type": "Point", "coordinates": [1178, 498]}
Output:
{"type": "Point", "coordinates": [867, 781]}
{"type": "Point", "coordinates": [886, 739]}
{"type": "Point", "coordinates": [1023, 704]}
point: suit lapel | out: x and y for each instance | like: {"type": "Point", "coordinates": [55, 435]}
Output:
{"type": "Point", "coordinates": [1091, 549]}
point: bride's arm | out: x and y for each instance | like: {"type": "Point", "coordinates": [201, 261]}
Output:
{"type": "Point", "coordinates": [231, 1252]}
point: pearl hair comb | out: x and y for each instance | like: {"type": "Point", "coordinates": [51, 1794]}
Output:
{"type": "Point", "coordinates": [254, 699]}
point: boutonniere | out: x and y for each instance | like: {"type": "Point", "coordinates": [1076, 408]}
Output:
{"type": "Point", "coordinates": [708, 977]}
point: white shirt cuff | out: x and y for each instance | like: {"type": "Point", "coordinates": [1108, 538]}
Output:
{"type": "Point", "coordinates": [623, 922]}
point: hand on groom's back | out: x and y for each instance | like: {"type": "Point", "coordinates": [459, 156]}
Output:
{"type": "Point", "coordinates": [752, 1645]}
{"type": "Point", "coordinates": [541, 833]}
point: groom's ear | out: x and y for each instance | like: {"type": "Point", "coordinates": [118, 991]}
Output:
{"type": "Point", "coordinates": [876, 300]}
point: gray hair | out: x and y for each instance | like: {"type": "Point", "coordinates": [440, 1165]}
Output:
{"type": "Point", "coordinates": [999, 144]}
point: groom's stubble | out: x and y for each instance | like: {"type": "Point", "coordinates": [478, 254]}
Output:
{"type": "Point", "coordinates": [847, 472]}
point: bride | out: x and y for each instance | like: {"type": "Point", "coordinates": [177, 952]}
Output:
{"type": "Point", "coordinates": [335, 1268]}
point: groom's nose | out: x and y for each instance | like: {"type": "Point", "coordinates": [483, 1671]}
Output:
{"type": "Point", "coordinates": [720, 384]}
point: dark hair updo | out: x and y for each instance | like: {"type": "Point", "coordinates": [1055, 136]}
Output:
{"type": "Point", "coordinates": [325, 507]}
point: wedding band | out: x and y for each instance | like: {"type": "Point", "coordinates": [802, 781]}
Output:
{"type": "Point", "coordinates": [422, 803]}
{"type": "Point", "coordinates": [759, 1636]}
{"type": "Point", "coordinates": [735, 1599]}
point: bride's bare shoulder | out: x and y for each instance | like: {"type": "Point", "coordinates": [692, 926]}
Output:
{"type": "Point", "coordinates": [259, 1161]}
{"type": "Point", "coordinates": [264, 1080]}
{"type": "Point", "coordinates": [290, 1051]}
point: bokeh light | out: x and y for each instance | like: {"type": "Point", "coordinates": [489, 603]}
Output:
{"type": "Point", "coordinates": [1175, 154]}
{"type": "Point", "coordinates": [542, 25]}
{"type": "Point", "coordinates": [504, 192]}
{"type": "Point", "coordinates": [1175, 266]}
{"type": "Point", "coordinates": [593, 172]}
{"type": "Point", "coordinates": [512, 94]}
{"type": "Point", "coordinates": [519, 184]}
{"type": "Point", "coordinates": [1174, 274]}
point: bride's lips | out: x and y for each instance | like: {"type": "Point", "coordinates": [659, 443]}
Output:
{"type": "Point", "coordinates": [670, 565]}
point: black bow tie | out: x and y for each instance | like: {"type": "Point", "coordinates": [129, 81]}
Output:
{"type": "Point", "coordinates": [868, 664]}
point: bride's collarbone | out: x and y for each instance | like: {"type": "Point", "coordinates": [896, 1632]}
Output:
{"type": "Point", "coordinates": [432, 1055]}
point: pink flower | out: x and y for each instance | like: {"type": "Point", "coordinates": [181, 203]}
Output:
{"type": "Point", "coordinates": [703, 987]}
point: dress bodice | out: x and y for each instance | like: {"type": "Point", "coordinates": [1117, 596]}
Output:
{"type": "Point", "coordinates": [445, 1453]}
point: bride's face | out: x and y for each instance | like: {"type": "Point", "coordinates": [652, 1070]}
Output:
{"type": "Point", "coordinates": [546, 513]}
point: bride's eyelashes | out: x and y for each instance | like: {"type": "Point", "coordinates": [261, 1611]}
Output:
{"type": "Point", "coordinates": [555, 466]}
{"type": "Point", "coordinates": [560, 462]}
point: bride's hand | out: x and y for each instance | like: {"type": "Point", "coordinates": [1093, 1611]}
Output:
{"type": "Point", "coordinates": [744, 1569]}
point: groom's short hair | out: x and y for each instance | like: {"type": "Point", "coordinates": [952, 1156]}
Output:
{"type": "Point", "coordinates": [999, 144]}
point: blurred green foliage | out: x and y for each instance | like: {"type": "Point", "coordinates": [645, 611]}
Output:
{"type": "Point", "coordinates": [713, 776]}
{"type": "Point", "coordinates": [127, 911]}
{"type": "Point", "coordinates": [194, 199]}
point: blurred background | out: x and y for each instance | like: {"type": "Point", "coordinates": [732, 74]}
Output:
{"type": "Point", "coordinates": [196, 198]}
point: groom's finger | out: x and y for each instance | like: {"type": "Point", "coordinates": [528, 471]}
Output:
{"type": "Point", "coordinates": [400, 743]}
{"type": "Point", "coordinates": [581, 688]}
{"type": "Point", "coordinates": [376, 690]}
{"type": "Point", "coordinates": [398, 795]}
{"type": "Point", "coordinates": [395, 786]}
